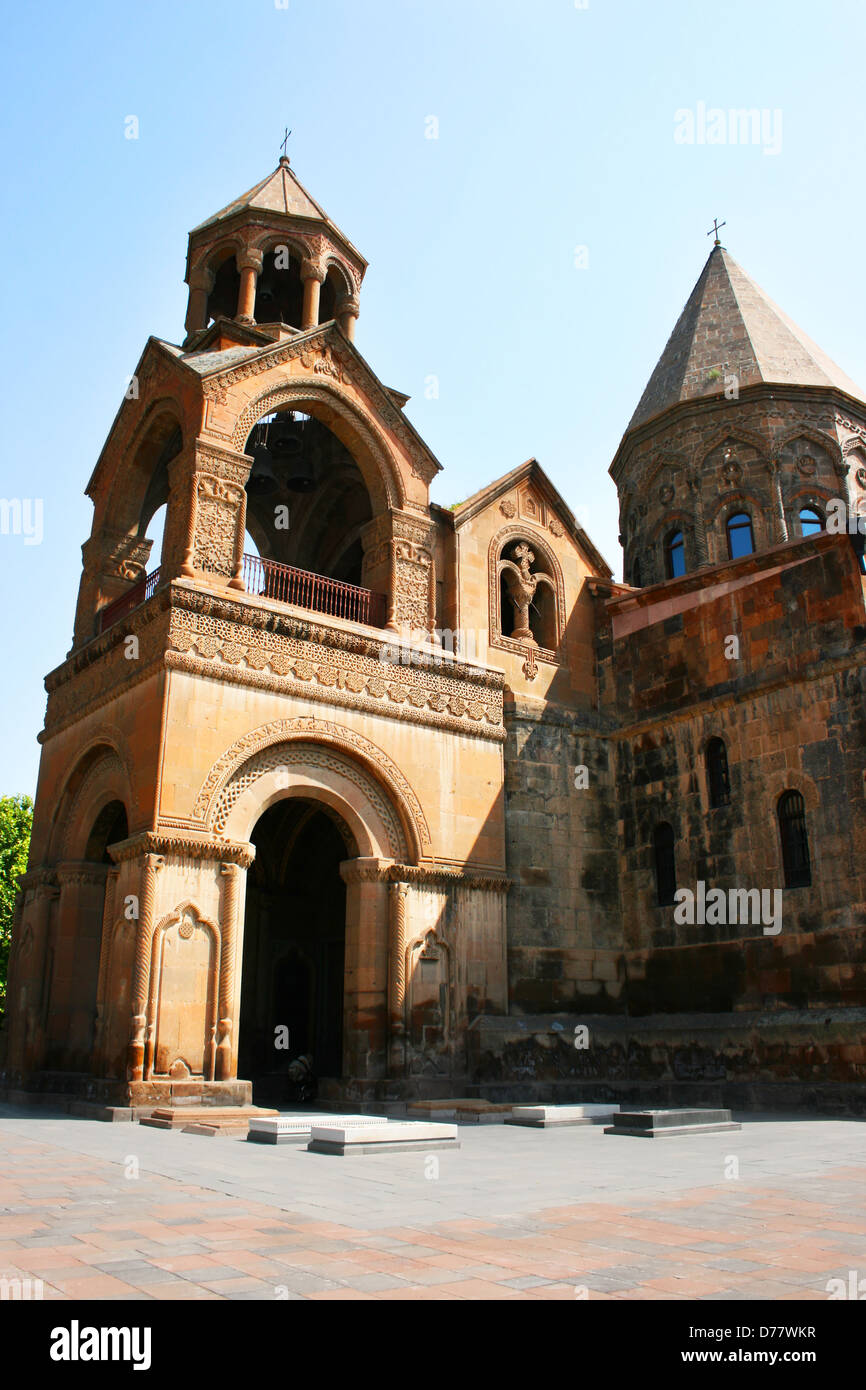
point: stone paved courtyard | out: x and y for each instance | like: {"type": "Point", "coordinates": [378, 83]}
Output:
{"type": "Point", "coordinates": [515, 1213]}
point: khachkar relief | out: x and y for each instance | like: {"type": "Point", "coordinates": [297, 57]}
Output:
{"type": "Point", "coordinates": [219, 518]}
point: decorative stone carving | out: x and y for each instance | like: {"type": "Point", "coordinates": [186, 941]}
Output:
{"type": "Point", "coordinates": [508, 507]}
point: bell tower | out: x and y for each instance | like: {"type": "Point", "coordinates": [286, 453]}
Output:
{"type": "Point", "coordinates": [249, 664]}
{"type": "Point", "coordinates": [273, 258]}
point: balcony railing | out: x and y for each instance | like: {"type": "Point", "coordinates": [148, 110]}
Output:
{"type": "Point", "coordinates": [139, 593]}
{"type": "Point", "coordinates": [269, 579]}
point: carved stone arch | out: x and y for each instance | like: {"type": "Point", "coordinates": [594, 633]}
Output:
{"type": "Point", "coordinates": [355, 751]}
{"type": "Point", "coordinates": [431, 941]}
{"type": "Point", "coordinates": [808, 495]}
{"type": "Point", "coordinates": [738, 498]}
{"type": "Point", "coordinates": [214, 256]}
{"type": "Point", "coordinates": [198, 1019]}
{"type": "Point", "coordinates": [524, 531]}
{"type": "Point", "coordinates": [659, 461]}
{"type": "Point", "coordinates": [333, 262]}
{"type": "Point", "coordinates": [827, 442]}
{"type": "Point", "coordinates": [331, 403]}
{"type": "Point", "coordinates": [127, 485]}
{"type": "Point", "coordinates": [736, 434]}
{"type": "Point", "coordinates": [100, 775]}
{"type": "Point", "coordinates": [268, 241]}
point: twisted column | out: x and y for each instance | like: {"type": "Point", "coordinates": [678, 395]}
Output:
{"type": "Point", "coordinates": [228, 923]}
{"type": "Point", "coordinates": [778, 503]}
{"type": "Point", "coordinates": [141, 966]}
{"type": "Point", "coordinates": [699, 520]}
{"type": "Point", "coordinates": [397, 976]}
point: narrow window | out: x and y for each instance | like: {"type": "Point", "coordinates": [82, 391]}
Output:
{"type": "Point", "coordinates": [811, 521]}
{"type": "Point", "coordinates": [718, 780]}
{"type": "Point", "coordinates": [635, 574]}
{"type": "Point", "coordinates": [741, 541]}
{"type": "Point", "coordinates": [675, 555]}
{"type": "Point", "coordinates": [795, 840]}
{"type": "Point", "coordinates": [665, 864]}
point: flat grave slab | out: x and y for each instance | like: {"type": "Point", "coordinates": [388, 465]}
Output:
{"type": "Point", "coordinates": [666, 1124]}
{"type": "Point", "coordinates": [295, 1129]}
{"type": "Point", "coordinates": [466, 1111]}
{"type": "Point", "coordinates": [549, 1116]}
{"type": "Point", "coordinates": [392, 1136]}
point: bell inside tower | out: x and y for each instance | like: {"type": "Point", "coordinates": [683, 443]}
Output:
{"type": "Point", "coordinates": [280, 290]}
{"type": "Point", "coordinates": [307, 501]}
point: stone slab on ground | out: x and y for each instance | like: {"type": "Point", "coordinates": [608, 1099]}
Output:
{"type": "Point", "coordinates": [548, 1116]}
{"type": "Point", "coordinates": [394, 1136]}
{"type": "Point", "coordinates": [213, 1117]}
{"type": "Point", "coordinates": [666, 1124]}
{"type": "Point", "coordinates": [295, 1129]}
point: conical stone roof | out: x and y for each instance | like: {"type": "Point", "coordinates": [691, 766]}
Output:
{"type": "Point", "coordinates": [730, 327]}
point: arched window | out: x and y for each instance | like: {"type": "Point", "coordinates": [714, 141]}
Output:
{"type": "Point", "coordinates": [665, 863]}
{"type": "Point", "coordinates": [635, 574]}
{"type": "Point", "coordinates": [741, 540]}
{"type": "Point", "coordinates": [811, 521]}
{"type": "Point", "coordinates": [718, 780]}
{"type": "Point", "coordinates": [675, 555]}
{"type": "Point", "coordinates": [791, 811]}
{"type": "Point", "coordinates": [527, 597]}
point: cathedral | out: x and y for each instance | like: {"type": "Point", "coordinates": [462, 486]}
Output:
{"type": "Point", "coordinates": [424, 795]}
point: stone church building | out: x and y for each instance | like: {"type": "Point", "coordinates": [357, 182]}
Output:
{"type": "Point", "coordinates": [415, 791]}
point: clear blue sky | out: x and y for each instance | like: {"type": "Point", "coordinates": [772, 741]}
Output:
{"type": "Point", "coordinates": [556, 130]}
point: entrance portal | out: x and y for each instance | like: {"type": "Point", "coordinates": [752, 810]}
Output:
{"type": "Point", "coordinates": [294, 949]}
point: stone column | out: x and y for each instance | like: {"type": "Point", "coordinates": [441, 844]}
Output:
{"type": "Point", "coordinates": [365, 999]}
{"type": "Point", "coordinates": [201, 282]}
{"type": "Point", "coordinates": [228, 928]}
{"type": "Point", "coordinates": [141, 967]}
{"type": "Point", "coordinates": [249, 264]}
{"type": "Point", "coordinates": [313, 277]}
{"type": "Point", "coordinates": [397, 979]}
{"type": "Point", "coordinates": [781, 526]}
{"type": "Point", "coordinates": [104, 955]}
{"type": "Point", "coordinates": [26, 984]}
{"type": "Point", "coordinates": [348, 310]}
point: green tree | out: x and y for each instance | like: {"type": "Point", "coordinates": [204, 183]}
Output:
{"type": "Point", "coordinates": [16, 823]}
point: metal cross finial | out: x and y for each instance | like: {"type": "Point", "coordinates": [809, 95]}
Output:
{"type": "Point", "coordinates": [285, 142]}
{"type": "Point", "coordinates": [716, 227]}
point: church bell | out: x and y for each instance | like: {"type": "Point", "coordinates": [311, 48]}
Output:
{"type": "Point", "coordinates": [287, 446]}
{"type": "Point", "coordinates": [262, 480]}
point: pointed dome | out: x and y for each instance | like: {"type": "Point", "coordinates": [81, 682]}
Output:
{"type": "Point", "coordinates": [283, 194]}
{"type": "Point", "coordinates": [731, 327]}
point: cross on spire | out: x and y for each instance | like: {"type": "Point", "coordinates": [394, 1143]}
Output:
{"type": "Point", "coordinates": [716, 227]}
{"type": "Point", "coordinates": [285, 143]}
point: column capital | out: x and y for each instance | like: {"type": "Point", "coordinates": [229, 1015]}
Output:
{"type": "Point", "coordinates": [311, 270]}
{"type": "Point", "coordinates": [250, 260]}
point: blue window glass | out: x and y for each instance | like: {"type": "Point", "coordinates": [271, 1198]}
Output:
{"type": "Point", "coordinates": [676, 555]}
{"type": "Point", "coordinates": [741, 541]}
{"type": "Point", "coordinates": [811, 521]}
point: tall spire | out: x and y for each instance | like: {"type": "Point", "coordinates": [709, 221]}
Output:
{"type": "Point", "coordinates": [730, 327]}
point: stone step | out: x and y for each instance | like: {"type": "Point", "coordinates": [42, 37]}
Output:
{"type": "Point", "coordinates": [213, 1117]}
{"type": "Point", "coordinates": [664, 1124]}
{"type": "Point", "coordinates": [549, 1116]}
{"type": "Point", "coordinates": [394, 1136]}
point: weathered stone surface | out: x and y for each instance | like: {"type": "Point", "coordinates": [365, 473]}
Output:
{"type": "Point", "coordinates": [661, 1124]}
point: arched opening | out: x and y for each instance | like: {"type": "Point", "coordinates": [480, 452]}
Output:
{"type": "Point", "coordinates": [675, 555]}
{"type": "Point", "coordinates": [741, 539]}
{"type": "Point", "coordinates": [222, 302]}
{"type": "Point", "coordinates": [664, 863]}
{"type": "Point", "coordinates": [791, 813]}
{"type": "Point", "coordinates": [636, 574]}
{"type": "Point", "coordinates": [307, 507]}
{"type": "Point", "coordinates": [527, 596]}
{"type": "Point", "coordinates": [291, 1000]}
{"type": "Point", "coordinates": [279, 289]}
{"type": "Point", "coordinates": [333, 290]}
{"type": "Point", "coordinates": [718, 777]}
{"type": "Point", "coordinates": [811, 521]}
{"type": "Point", "coordinates": [73, 960]}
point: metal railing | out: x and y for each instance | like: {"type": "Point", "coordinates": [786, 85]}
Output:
{"type": "Point", "coordinates": [120, 607]}
{"type": "Point", "coordinates": [269, 579]}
